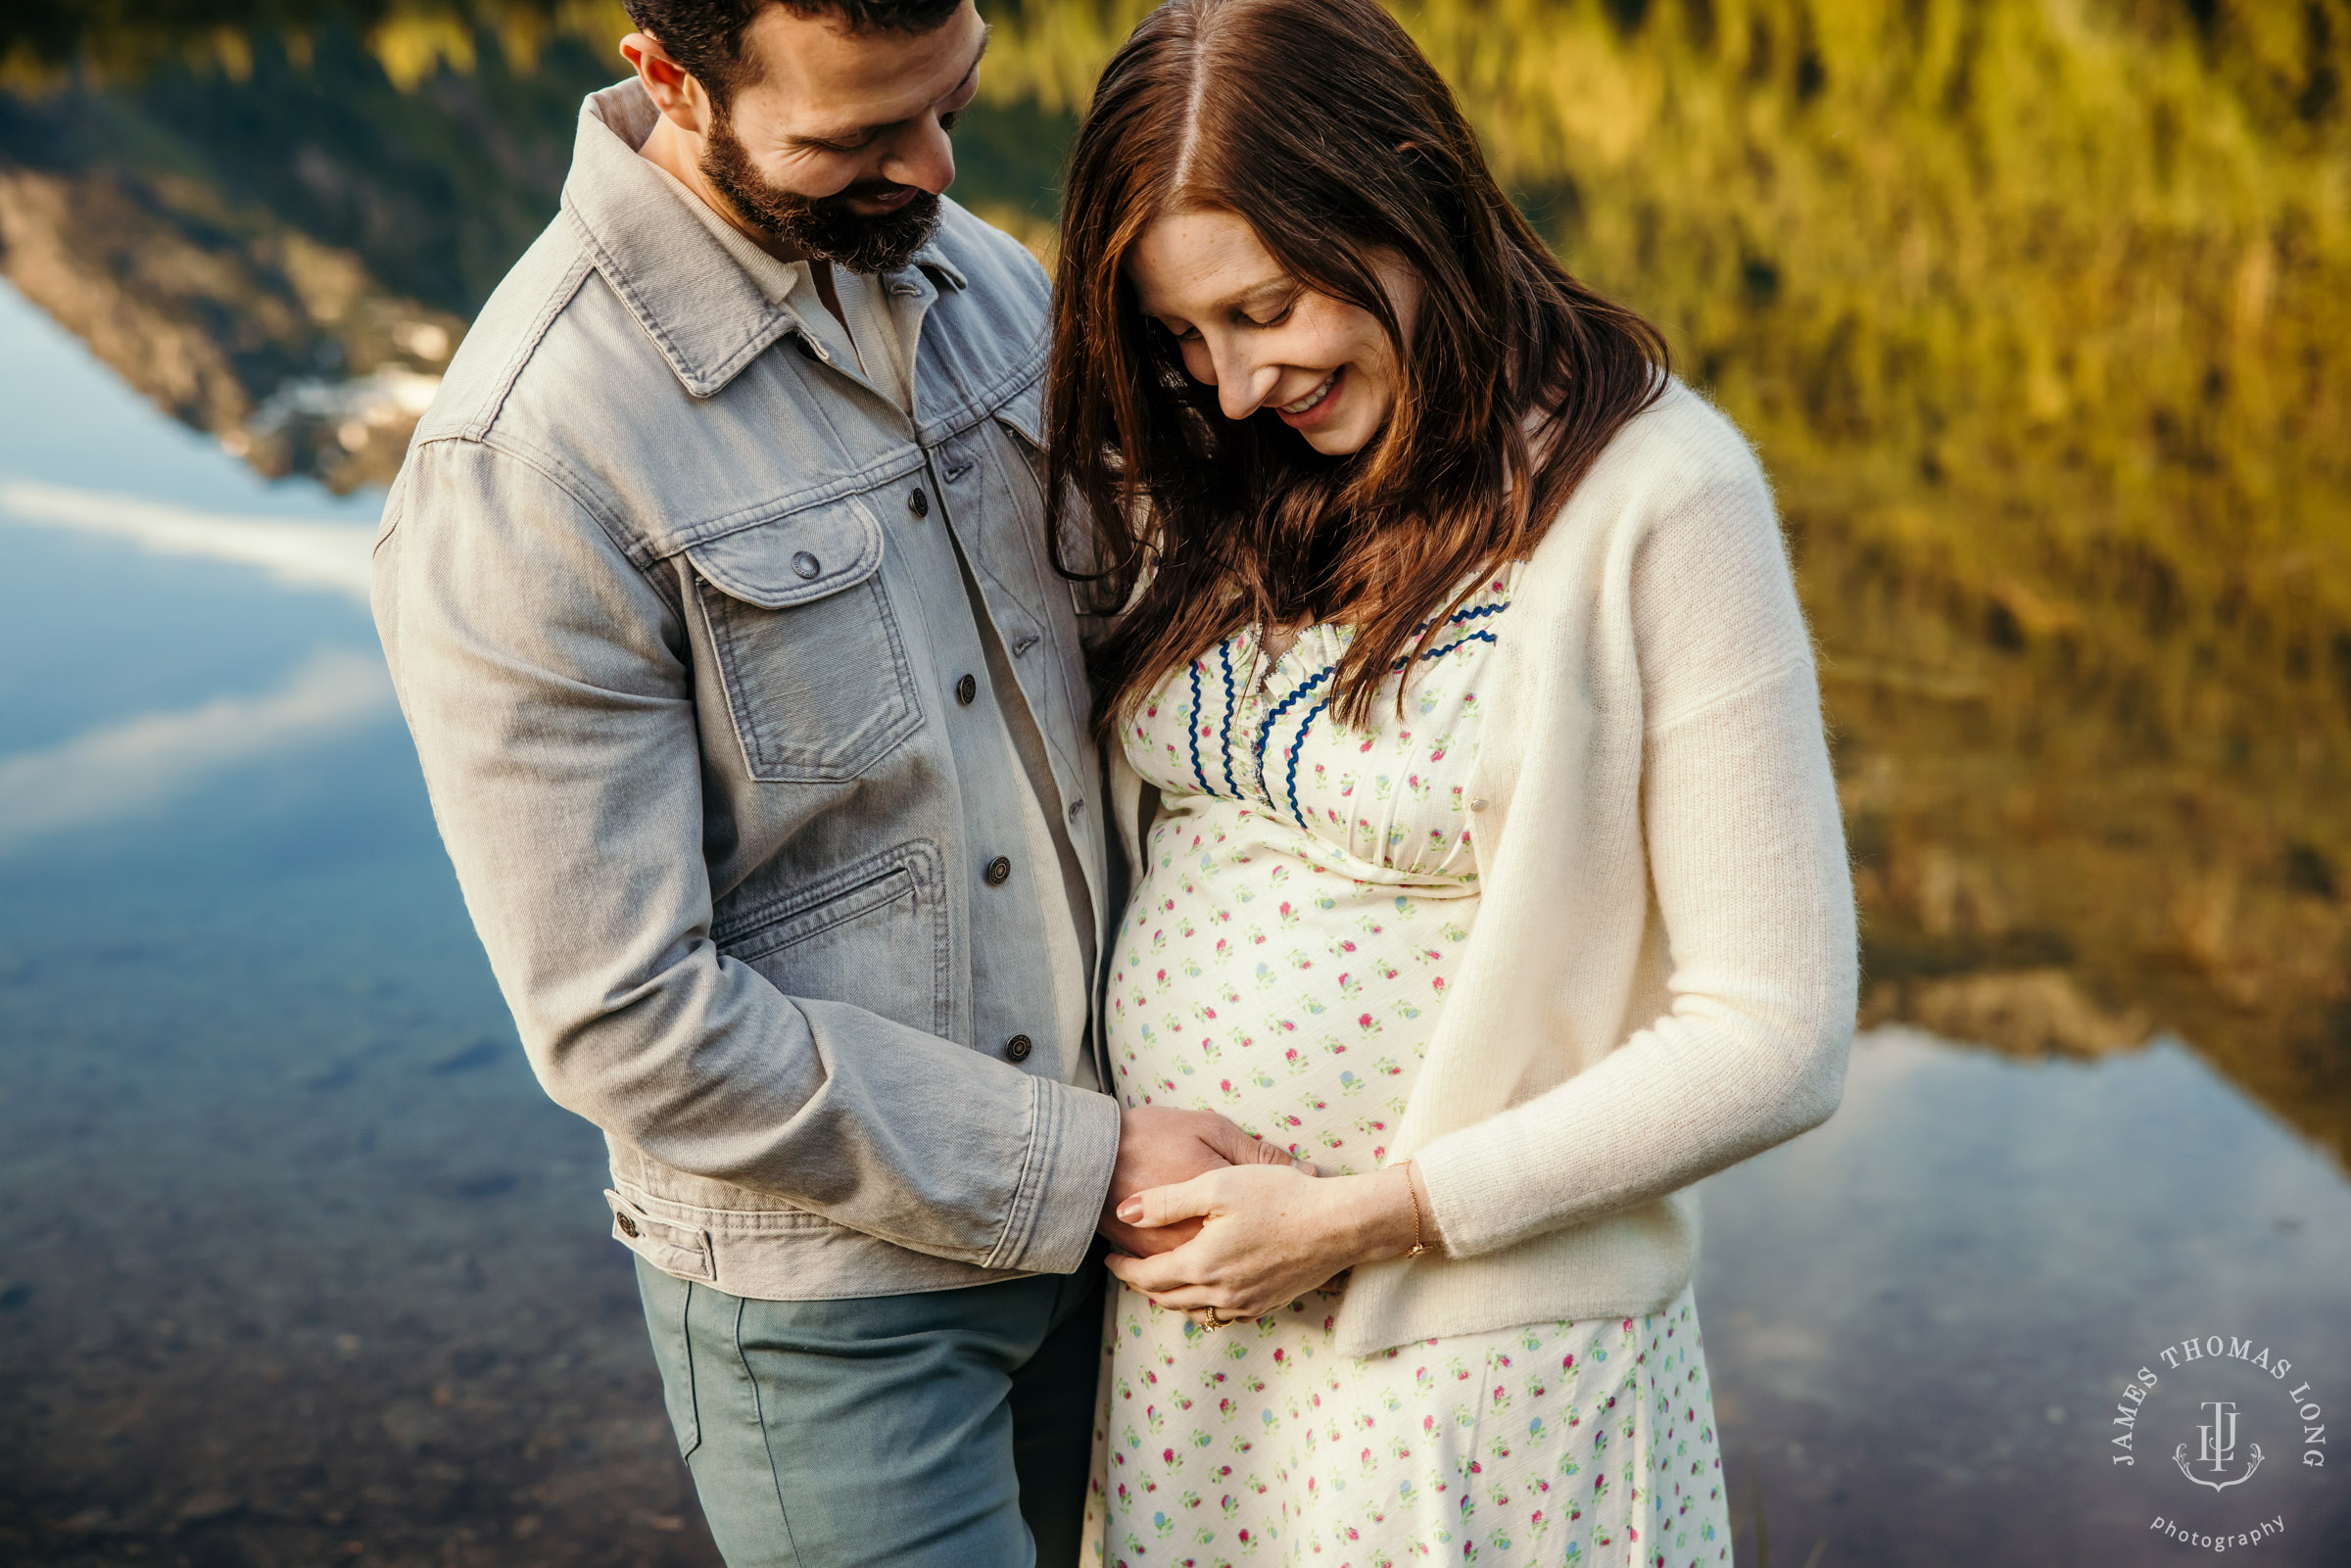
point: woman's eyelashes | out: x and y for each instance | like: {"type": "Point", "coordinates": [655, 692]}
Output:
{"type": "Point", "coordinates": [1182, 332]}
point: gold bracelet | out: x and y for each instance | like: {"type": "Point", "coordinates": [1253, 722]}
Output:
{"type": "Point", "coordinates": [1414, 1193]}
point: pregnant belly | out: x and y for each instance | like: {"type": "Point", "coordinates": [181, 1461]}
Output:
{"type": "Point", "coordinates": [1303, 1018]}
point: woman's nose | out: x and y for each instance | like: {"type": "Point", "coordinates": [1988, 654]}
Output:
{"type": "Point", "coordinates": [1242, 389]}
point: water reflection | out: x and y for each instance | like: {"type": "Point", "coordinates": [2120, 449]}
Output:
{"type": "Point", "coordinates": [299, 555]}
{"type": "Point", "coordinates": [138, 764]}
{"type": "Point", "coordinates": [1931, 1304]}
{"type": "Point", "coordinates": [2038, 328]}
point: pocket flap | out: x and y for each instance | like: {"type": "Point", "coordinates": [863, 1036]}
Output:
{"type": "Point", "coordinates": [794, 558]}
{"type": "Point", "coordinates": [1024, 412]}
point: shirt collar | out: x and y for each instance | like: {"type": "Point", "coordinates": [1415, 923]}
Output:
{"type": "Point", "coordinates": [694, 299]}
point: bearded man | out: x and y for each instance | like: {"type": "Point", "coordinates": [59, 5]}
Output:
{"type": "Point", "coordinates": [755, 722]}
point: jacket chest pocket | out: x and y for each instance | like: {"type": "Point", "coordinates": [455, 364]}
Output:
{"type": "Point", "coordinates": [815, 666]}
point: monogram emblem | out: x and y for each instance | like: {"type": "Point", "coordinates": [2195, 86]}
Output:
{"type": "Point", "coordinates": [2216, 1448]}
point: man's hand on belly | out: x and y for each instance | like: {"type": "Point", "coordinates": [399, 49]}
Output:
{"type": "Point", "coordinates": [1158, 1145]}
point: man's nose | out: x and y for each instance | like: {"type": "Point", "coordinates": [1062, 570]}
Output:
{"type": "Point", "coordinates": [923, 157]}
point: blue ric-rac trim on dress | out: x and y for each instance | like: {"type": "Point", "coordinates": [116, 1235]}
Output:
{"type": "Point", "coordinates": [1474, 637]}
{"type": "Point", "coordinates": [1265, 734]}
{"type": "Point", "coordinates": [1224, 739]}
{"type": "Point", "coordinates": [1198, 772]}
{"type": "Point", "coordinates": [1296, 746]}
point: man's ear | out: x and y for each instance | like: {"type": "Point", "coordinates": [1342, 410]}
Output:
{"type": "Point", "coordinates": [680, 98]}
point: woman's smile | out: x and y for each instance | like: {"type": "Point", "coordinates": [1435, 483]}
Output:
{"type": "Point", "coordinates": [1316, 406]}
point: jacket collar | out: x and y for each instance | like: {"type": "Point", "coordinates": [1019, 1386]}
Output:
{"type": "Point", "coordinates": [705, 314]}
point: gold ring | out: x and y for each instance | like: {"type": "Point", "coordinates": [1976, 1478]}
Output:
{"type": "Point", "coordinates": [1214, 1321]}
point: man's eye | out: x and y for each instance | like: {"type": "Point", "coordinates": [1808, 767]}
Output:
{"type": "Point", "coordinates": [1182, 334]}
{"type": "Point", "coordinates": [1273, 320]}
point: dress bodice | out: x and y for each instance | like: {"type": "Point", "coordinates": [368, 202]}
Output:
{"type": "Point", "coordinates": [1384, 801]}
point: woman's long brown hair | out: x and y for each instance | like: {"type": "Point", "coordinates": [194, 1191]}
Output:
{"type": "Point", "coordinates": [1320, 124]}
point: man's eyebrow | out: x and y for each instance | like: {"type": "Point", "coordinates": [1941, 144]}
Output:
{"type": "Point", "coordinates": [986, 32]}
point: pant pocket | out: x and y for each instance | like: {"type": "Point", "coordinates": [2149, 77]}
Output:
{"type": "Point", "coordinates": [668, 1318]}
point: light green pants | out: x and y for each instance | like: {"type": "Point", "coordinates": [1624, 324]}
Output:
{"type": "Point", "coordinates": [949, 1429]}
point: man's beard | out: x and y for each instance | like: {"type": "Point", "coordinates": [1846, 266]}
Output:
{"type": "Point", "coordinates": [825, 227]}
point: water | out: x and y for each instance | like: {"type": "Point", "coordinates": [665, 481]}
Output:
{"type": "Point", "coordinates": [305, 1269]}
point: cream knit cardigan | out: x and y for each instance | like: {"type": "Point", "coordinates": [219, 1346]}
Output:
{"type": "Point", "coordinates": [1662, 978]}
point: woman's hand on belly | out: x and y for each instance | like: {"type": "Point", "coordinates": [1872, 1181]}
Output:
{"type": "Point", "coordinates": [1268, 1234]}
{"type": "Point", "coordinates": [1161, 1147]}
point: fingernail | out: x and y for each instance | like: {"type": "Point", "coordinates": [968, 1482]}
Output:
{"type": "Point", "coordinates": [1131, 1211]}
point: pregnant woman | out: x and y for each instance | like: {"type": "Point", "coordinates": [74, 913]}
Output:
{"type": "Point", "coordinates": [1470, 756]}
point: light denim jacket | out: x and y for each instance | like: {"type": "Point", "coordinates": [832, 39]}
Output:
{"type": "Point", "coordinates": [674, 608]}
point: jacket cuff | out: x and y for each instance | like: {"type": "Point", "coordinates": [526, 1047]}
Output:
{"type": "Point", "coordinates": [1072, 1143]}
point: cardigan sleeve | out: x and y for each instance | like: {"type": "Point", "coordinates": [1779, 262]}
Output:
{"type": "Point", "coordinates": [1746, 859]}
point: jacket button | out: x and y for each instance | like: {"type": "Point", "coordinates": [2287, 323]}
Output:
{"type": "Point", "coordinates": [998, 870]}
{"type": "Point", "coordinates": [918, 503]}
{"type": "Point", "coordinates": [1017, 1048]}
{"type": "Point", "coordinates": [628, 1226]}
{"type": "Point", "coordinates": [806, 564]}
{"type": "Point", "coordinates": [967, 691]}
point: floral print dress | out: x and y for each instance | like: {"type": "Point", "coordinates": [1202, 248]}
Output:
{"type": "Point", "coordinates": [1307, 891]}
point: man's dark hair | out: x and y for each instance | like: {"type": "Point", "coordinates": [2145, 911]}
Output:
{"type": "Point", "coordinates": [705, 36]}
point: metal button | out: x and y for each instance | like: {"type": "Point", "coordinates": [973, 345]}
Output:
{"type": "Point", "coordinates": [628, 1226]}
{"type": "Point", "coordinates": [1017, 1048]}
{"type": "Point", "coordinates": [999, 869]}
{"type": "Point", "coordinates": [967, 691]}
{"type": "Point", "coordinates": [918, 503]}
{"type": "Point", "coordinates": [806, 564]}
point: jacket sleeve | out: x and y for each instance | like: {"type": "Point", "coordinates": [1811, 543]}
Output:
{"type": "Point", "coordinates": [1746, 859]}
{"type": "Point", "coordinates": [545, 681]}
